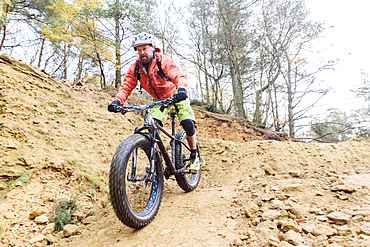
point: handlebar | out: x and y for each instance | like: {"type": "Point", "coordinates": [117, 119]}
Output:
{"type": "Point", "coordinates": [165, 103]}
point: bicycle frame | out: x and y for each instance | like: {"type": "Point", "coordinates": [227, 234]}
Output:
{"type": "Point", "coordinates": [153, 134]}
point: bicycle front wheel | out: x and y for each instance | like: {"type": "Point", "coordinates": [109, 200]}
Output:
{"type": "Point", "coordinates": [135, 193]}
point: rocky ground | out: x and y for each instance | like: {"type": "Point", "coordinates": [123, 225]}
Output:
{"type": "Point", "coordinates": [58, 138]}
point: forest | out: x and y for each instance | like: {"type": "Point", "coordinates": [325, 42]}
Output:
{"type": "Point", "coordinates": [248, 58]}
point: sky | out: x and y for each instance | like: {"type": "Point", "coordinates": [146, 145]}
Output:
{"type": "Point", "coordinates": [348, 41]}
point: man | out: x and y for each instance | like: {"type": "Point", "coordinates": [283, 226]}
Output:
{"type": "Point", "coordinates": [161, 78]}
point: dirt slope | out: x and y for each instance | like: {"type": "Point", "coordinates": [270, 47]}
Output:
{"type": "Point", "coordinates": [254, 192]}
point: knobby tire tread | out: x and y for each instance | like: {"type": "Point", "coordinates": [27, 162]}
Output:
{"type": "Point", "coordinates": [117, 183]}
{"type": "Point", "coordinates": [181, 179]}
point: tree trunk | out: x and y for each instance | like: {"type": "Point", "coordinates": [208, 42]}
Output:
{"type": "Point", "coordinates": [257, 114]}
{"type": "Point", "coordinates": [290, 106]}
{"type": "Point", "coordinates": [65, 62]}
{"type": "Point", "coordinates": [118, 56]}
{"type": "Point", "coordinates": [3, 39]}
{"type": "Point", "coordinates": [41, 51]}
{"type": "Point", "coordinates": [5, 14]}
{"type": "Point", "coordinates": [288, 80]}
{"type": "Point", "coordinates": [79, 67]}
{"type": "Point", "coordinates": [199, 85]}
{"type": "Point", "coordinates": [275, 111]}
{"type": "Point", "coordinates": [238, 93]}
{"type": "Point", "coordinates": [205, 75]}
{"type": "Point", "coordinates": [237, 87]}
{"type": "Point", "coordinates": [103, 83]}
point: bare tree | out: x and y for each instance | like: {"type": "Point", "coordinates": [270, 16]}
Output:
{"type": "Point", "coordinates": [288, 31]}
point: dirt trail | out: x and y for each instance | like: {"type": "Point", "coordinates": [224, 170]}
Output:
{"type": "Point", "coordinates": [253, 192]}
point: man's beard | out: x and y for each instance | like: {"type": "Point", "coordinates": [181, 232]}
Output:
{"type": "Point", "coordinates": [145, 59]}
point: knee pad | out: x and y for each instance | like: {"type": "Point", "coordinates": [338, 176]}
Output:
{"type": "Point", "coordinates": [188, 126]}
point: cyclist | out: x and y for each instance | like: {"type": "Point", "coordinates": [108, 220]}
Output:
{"type": "Point", "coordinates": [161, 78]}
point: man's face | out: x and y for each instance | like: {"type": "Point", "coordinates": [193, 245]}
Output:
{"type": "Point", "coordinates": [145, 53]}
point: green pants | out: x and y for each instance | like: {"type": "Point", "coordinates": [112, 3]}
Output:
{"type": "Point", "coordinates": [183, 111]}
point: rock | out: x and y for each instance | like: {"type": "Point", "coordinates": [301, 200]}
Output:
{"type": "Point", "coordinates": [365, 229]}
{"type": "Point", "coordinates": [293, 187]}
{"type": "Point", "coordinates": [308, 228]}
{"type": "Point", "coordinates": [360, 170]}
{"type": "Point", "coordinates": [79, 215]}
{"type": "Point", "coordinates": [262, 244]}
{"type": "Point", "coordinates": [364, 237]}
{"type": "Point", "coordinates": [89, 220]}
{"type": "Point", "coordinates": [277, 204]}
{"type": "Point", "coordinates": [251, 209]}
{"type": "Point", "coordinates": [266, 233]}
{"type": "Point", "coordinates": [9, 216]}
{"type": "Point", "coordinates": [36, 212]}
{"type": "Point", "coordinates": [285, 244]}
{"type": "Point", "coordinates": [42, 219]}
{"type": "Point", "coordinates": [70, 230]}
{"type": "Point", "coordinates": [287, 225]}
{"type": "Point", "coordinates": [50, 238]}
{"type": "Point", "coordinates": [343, 230]}
{"type": "Point", "coordinates": [342, 197]}
{"type": "Point", "coordinates": [329, 210]}
{"type": "Point", "coordinates": [282, 196]}
{"type": "Point", "coordinates": [343, 187]}
{"type": "Point", "coordinates": [358, 218]}
{"type": "Point", "coordinates": [323, 230]}
{"type": "Point", "coordinates": [293, 237]}
{"type": "Point", "coordinates": [37, 238]}
{"type": "Point", "coordinates": [295, 174]}
{"type": "Point", "coordinates": [48, 229]}
{"type": "Point", "coordinates": [267, 198]}
{"type": "Point", "coordinates": [339, 239]}
{"type": "Point", "coordinates": [268, 170]}
{"type": "Point", "coordinates": [250, 233]}
{"type": "Point", "coordinates": [243, 237]}
{"type": "Point", "coordinates": [271, 215]}
{"type": "Point", "coordinates": [321, 218]}
{"type": "Point", "coordinates": [318, 193]}
{"type": "Point", "coordinates": [273, 241]}
{"type": "Point", "coordinates": [256, 221]}
{"type": "Point", "coordinates": [298, 211]}
{"type": "Point", "coordinates": [321, 241]}
{"type": "Point", "coordinates": [164, 232]}
{"type": "Point", "coordinates": [238, 242]}
{"type": "Point", "coordinates": [316, 211]}
{"type": "Point", "coordinates": [339, 218]}
{"type": "Point", "coordinates": [18, 184]}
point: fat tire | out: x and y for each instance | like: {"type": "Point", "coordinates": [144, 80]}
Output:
{"type": "Point", "coordinates": [117, 184]}
{"type": "Point", "coordinates": [185, 183]}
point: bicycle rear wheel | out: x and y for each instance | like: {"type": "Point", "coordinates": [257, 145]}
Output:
{"type": "Point", "coordinates": [187, 181]}
{"type": "Point", "coordinates": [135, 197]}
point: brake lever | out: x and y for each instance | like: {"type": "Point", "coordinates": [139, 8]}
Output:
{"type": "Point", "coordinates": [121, 110]}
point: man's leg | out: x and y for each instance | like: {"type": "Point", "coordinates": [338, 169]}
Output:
{"type": "Point", "coordinates": [192, 141]}
{"type": "Point", "coordinates": [187, 121]}
{"type": "Point", "coordinates": [189, 128]}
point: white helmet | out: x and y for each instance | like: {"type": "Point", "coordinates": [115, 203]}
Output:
{"type": "Point", "coordinates": [143, 39]}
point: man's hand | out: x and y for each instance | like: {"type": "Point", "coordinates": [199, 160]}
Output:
{"type": "Point", "coordinates": [112, 107]}
{"type": "Point", "coordinates": [181, 95]}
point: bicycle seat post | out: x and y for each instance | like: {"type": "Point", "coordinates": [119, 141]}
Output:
{"type": "Point", "coordinates": [173, 116]}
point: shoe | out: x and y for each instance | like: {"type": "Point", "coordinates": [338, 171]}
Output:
{"type": "Point", "coordinates": [194, 165]}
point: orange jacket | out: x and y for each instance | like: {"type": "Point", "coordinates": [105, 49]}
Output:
{"type": "Point", "coordinates": [165, 89]}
